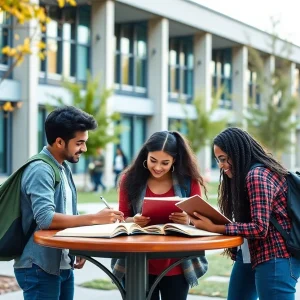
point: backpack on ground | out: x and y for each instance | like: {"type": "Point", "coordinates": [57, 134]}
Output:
{"type": "Point", "coordinates": [292, 239]}
{"type": "Point", "coordinates": [12, 237]}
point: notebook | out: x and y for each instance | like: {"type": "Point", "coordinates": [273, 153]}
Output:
{"type": "Point", "coordinates": [197, 204]}
{"type": "Point", "coordinates": [160, 208]}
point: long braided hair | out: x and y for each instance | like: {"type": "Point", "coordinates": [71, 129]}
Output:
{"type": "Point", "coordinates": [243, 151]}
{"type": "Point", "coordinates": [175, 145]}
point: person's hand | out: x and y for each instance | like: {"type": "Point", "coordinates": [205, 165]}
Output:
{"type": "Point", "coordinates": [107, 215]}
{"type": "Point", "coordinates": [202, 222]}
{"type": "Point", "coordinates": [180, 218]}
{"type": "Point", "coordinates": [79, 262]}
{"type": "Point", "coordinates": [141, 220]}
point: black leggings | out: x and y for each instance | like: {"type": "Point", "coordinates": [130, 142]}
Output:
{"type": "Point", "coordinates": [170, 287]}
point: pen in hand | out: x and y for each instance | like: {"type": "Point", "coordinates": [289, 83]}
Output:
{"type": "Point", "coordinates": [107, 205]}
{"type": "Point", "coordinates": [104, 201]}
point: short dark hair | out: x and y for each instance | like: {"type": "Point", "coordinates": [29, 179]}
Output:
{"type": "Point", "coordinates": [65, 121]}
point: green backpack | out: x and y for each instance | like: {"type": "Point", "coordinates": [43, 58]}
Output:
{"type": "Point", "coordinates": [12, 237]}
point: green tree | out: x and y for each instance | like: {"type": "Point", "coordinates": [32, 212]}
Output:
{"type": "Point", "coordinates": [201, 129]}
{"type": "Point", "coordinates": [273, 122]}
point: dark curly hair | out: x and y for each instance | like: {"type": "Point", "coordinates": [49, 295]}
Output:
{"type": "Point", "coordinates": [243, 151]}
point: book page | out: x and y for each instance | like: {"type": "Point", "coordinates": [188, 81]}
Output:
{"type": "Point", "coordinates": [105, 230]}
{"type": "Point", "coordinates": [164, 198]}
{"type": "Point", "coordinates": [187, 229]}
{"type": "Point", "coordinates": [155, 229]}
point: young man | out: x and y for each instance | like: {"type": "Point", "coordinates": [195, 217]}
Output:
{"type": "Point", "coordinates": [46, 273]}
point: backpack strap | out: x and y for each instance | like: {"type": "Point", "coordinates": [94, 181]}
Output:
{"type": "Point", "coordinates": [256, 165]}
{"type": "Point", "coordinates": [279, 228]}
{"type": "Point", "coordinates": [45, 158]}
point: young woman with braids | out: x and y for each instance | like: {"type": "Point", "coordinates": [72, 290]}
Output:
{"type": "Point", "coordinates": [249, 196]}
{"type": "Point", "coordinates": [163, 168]}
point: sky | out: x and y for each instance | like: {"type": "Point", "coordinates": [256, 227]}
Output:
{"type": "Point", "coordinates": [258, 13]}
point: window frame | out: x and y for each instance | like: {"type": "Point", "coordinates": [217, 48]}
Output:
{"type": "Point", "coordinates": [7, 140]}
{"type": "Point", "coordinates": [220, 57]}
{"type": "Point", "coordinates": [132, 88]}
{"type": "Point", "coordinates": [56, 78]}
{"type": "Point", "coordinates": [253, 88]}
{"type": "Point", "coordinates": [5, 61]}
{"type": "Point", "coordinates": [180, 69]}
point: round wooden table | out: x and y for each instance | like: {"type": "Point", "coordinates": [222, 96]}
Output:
{"type": "Point", "coordinates": [136, 250]}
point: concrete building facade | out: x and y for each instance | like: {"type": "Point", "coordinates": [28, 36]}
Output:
{"type": "Point", "coordinates": [151, 53]}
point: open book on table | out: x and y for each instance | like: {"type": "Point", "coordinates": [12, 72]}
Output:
{"type": "Point", "coordinates": [197, 204]}
{"type": "Point", "coordinates": [160, 208]}
{"type": "Point", "coordinates": [115, 229]}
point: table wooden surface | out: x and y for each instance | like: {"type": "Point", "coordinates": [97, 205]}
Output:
{"type": "Point", "coordinates": [137, 243]}
{"type": "Point", "coordinates": [136, 250]}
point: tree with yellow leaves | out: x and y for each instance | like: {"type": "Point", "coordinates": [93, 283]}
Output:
{"type": "Point", "coordinates": [25, 11]}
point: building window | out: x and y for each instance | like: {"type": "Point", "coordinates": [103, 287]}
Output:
{"type": "Point", "coordinates": [181, 68]}
{"type": "Point", "coordinates": [42, 114]}
{"type": "Point", "coordinates": [5, 40]}
{"type": "Point", "coordinates": [178, 125]}
{"type": "Point", "coordinates": [5, 141]}
{"type": "Point", "coordinates": [221, 70]}
{"type": "Point", "coordinates": [253, 90]}
{"type": "Point", "coordinates": [134, 135]}
{"type": "Point", "coordinates": [67, 40]}
{"type": "Point", "coordinates": [131, 58]}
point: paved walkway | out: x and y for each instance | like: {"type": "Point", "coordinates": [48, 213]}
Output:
{"type": "Point", "coordinates": [89, 272]}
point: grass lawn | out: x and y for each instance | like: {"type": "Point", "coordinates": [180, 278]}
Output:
{"type": "Point", "coordinates": [218, 266]}
{"type": "Point", "coordinates": [93, 197]}
{"type": "Point", "coordinates": [112, 196]}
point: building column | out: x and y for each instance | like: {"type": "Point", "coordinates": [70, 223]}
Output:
{"type": "Point", "coordinates": [203, 88]}
{"type": "Point", "coordinates": [269, 69]}
{"type": "Point", "coordinates": [240, 84]}
{"type": "Point", "coordinates": [158, 49]}
{"type": "Point", "coordinates": [289, 158]}
{"type": "Point", "coordinates": [102, 64]}
{"type": "Point", "coordinates": [25, 119]}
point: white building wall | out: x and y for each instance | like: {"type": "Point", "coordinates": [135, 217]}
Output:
{"type": "Point", "coordinates": [203, 88]}
{"type": "Point", "coordinates": [102, 64]}
{"type": "Point", "coordinates": [25, 124]}
{"type": "Point", "coordinates": [289, 158]}
{"type": "Point", "coordinates": [240, 84]}
{"type": "Point", "coordinates": [158, 49]}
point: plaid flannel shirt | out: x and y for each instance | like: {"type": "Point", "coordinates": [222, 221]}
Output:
{"type": "Point", "coordinates": [267, 194]}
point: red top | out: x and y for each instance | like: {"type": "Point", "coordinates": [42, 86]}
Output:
{"type": "Point", "coordinates": [156, 266]}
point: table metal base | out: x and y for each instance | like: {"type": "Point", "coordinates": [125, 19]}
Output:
{"type": "Point", "coordinates": [136, 285]}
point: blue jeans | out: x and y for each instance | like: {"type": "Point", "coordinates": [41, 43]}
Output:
{"type": "Point", "coordinates": [97, 179]}
{"type": "Point", "coordinates": [170, 287]}
{"type": "Point", "coordinates": [271, 280]}
{"type": "Point", "coordinates": [39, 285]}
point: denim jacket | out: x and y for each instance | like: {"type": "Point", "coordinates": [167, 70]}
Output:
{"type": "Point", "coordinates": [39, 202]}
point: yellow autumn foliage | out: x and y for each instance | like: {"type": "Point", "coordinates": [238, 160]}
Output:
{"type": "Point", "coordinates": [25, 11]}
